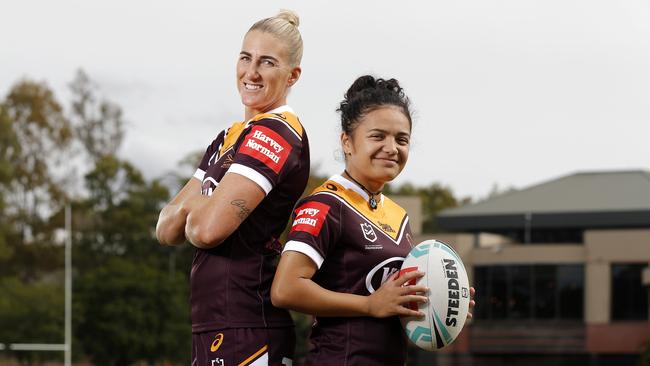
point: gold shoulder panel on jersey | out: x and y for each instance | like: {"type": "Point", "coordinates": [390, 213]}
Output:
{"type": "Point", "coordinates": [389, 217]}
{"type": "Point", "coordinates": [289, 119]}
{"type": "Point", "coordinates": [231, 137]}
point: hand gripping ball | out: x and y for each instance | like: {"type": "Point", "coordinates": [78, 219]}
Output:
{"type": "Point", "coordinates": [448, 304]}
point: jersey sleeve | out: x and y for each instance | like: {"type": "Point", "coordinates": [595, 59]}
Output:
{"type": "Point", "coordinates": [269, 151]}
{"type": "Point", "coordinates": [210, 156]}
{"type": "Point", "coordinates": [315, 228]}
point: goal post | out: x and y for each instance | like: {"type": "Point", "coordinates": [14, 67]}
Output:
{"type": "Point", "coordinates": [67, 346]}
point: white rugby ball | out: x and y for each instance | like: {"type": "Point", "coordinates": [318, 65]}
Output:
{"type": "Point", "coordinates": [448, 304]}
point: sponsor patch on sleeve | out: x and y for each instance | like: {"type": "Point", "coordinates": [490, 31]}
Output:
{"type": "Point", "coordinates": [310, 217]}
{"type": "Point", "coordinates": [267, 146]}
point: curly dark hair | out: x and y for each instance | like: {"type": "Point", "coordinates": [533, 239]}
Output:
{"type": "Point", "coordinates": [367, 94]}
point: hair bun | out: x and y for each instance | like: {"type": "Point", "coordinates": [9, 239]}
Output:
{"type": "Point", "coordinates": [362, 83]}
{"type": "Point", "coordinates": [290, 16]}
{"type": "Point", "coordinates": [368, 92]}
{"type": "Point", "coordinates": [390, 84]}
{"type": "Point", "coordinates": [367, 83]}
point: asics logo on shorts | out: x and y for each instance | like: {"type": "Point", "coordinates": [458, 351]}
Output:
{"type": "Point", "coordinates": [218, 339]}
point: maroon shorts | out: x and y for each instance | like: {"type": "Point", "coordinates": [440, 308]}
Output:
{"type": "Point", "coordinates": [244, 347]}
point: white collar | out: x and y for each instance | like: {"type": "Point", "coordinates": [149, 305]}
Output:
{"type": "Point", "coordinates": [280, 109]}
{"type": "Point", "coordinates": [348, 184]}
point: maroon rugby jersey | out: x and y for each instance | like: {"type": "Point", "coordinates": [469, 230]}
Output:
{"type": "Point", "coordinates": [356, 249]}
{"type": "Point", "coordinates": [230, 284]}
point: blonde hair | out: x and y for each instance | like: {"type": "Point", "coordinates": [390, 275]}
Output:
{"type": "Point", "coordinates": [284, 26]}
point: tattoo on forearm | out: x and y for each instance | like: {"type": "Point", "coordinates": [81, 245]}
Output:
{"type": "Point", "coordinates": [243, 210]}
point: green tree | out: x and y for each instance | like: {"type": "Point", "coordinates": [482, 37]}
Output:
{"type": "Point", "coordinates": [130, 312]}
{"type": "Point", "coordinates": [98, 123]}
{"type": "Point", "coordinates": [34, 137]}
{"type": "Point", "coordinates": [34, 141]}
{"type": "Point", "coordinates": [31, 312]}
{"type": "Point", "coordinates": [8, 143]}
{"type": "Point", "coordinates": [36, 146]}
{"type": "Point", "coordinates": [119, 209]}
{"type": "Point", "coordinates": [122, 268]}
{"type": "Point", "coordinates": [114, 217]}
{"type": "Point", "coordinates": [119, 216]}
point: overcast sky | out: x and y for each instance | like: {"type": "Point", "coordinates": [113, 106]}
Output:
{"type": "Point", "coordinates": [506, 92]}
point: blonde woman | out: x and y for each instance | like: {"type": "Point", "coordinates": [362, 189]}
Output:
{"type": "Point", "coordinates": [237, 204]}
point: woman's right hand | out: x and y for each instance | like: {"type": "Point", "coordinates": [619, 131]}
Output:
{"type": "Point", "coordinates": [170, 229]}
{"type": "Point", "coordinates": [390, 299]}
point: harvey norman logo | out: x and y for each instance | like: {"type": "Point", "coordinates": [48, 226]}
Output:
{"type": "Point", "coordinates": [306, 216]}
{"type": "Point", "coordinates": [310, 217]}
{"type": "Point", "coordinates": [265, 141]}
{"type": "Point", "coordinates": [267, 146]}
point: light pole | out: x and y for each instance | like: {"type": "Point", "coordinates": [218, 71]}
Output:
{"type": "Point", "coordinates": [68, 285]}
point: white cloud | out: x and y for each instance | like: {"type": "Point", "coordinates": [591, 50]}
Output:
{"type": "Point", "coordinates": [509, 92]}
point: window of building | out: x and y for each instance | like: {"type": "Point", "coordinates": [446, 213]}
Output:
{"type": "Point", "coordinates": [545, 287]}
{"type": "Point", "coordinates": [498, 292]}
{"type": "Point", "coordinates": [629, 296]}
{"type": "Point", "coordinates": [519, 292]}
{"type": "Point", "coordinates": [570, 283]}
{"type": "Point", "coordinates": [544, 236]}
{"type": "Point", "coordinates": [541, 292]}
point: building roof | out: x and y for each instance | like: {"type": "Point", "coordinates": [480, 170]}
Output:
{"type": "Point", "coordinates": [585, 199]}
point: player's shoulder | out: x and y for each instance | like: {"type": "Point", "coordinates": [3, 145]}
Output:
{"type": "Point", "coordinates": [330, 187]}
{"type": "Point", "coordinates": [320, 194]}
{"type": "Point", "coordinates": [281, 119]}
{"type": "Point", "coordinates": [319, 197]}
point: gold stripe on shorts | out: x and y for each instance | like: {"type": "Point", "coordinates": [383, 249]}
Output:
{"type": "Point", "coordinates": [254, 356]}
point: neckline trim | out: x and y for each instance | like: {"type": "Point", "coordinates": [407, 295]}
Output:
{"type": "Point", "coordinates": [348, 184]}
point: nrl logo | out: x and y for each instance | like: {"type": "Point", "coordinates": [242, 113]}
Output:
{"type": "Point", "coordinates": [368, 232]}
